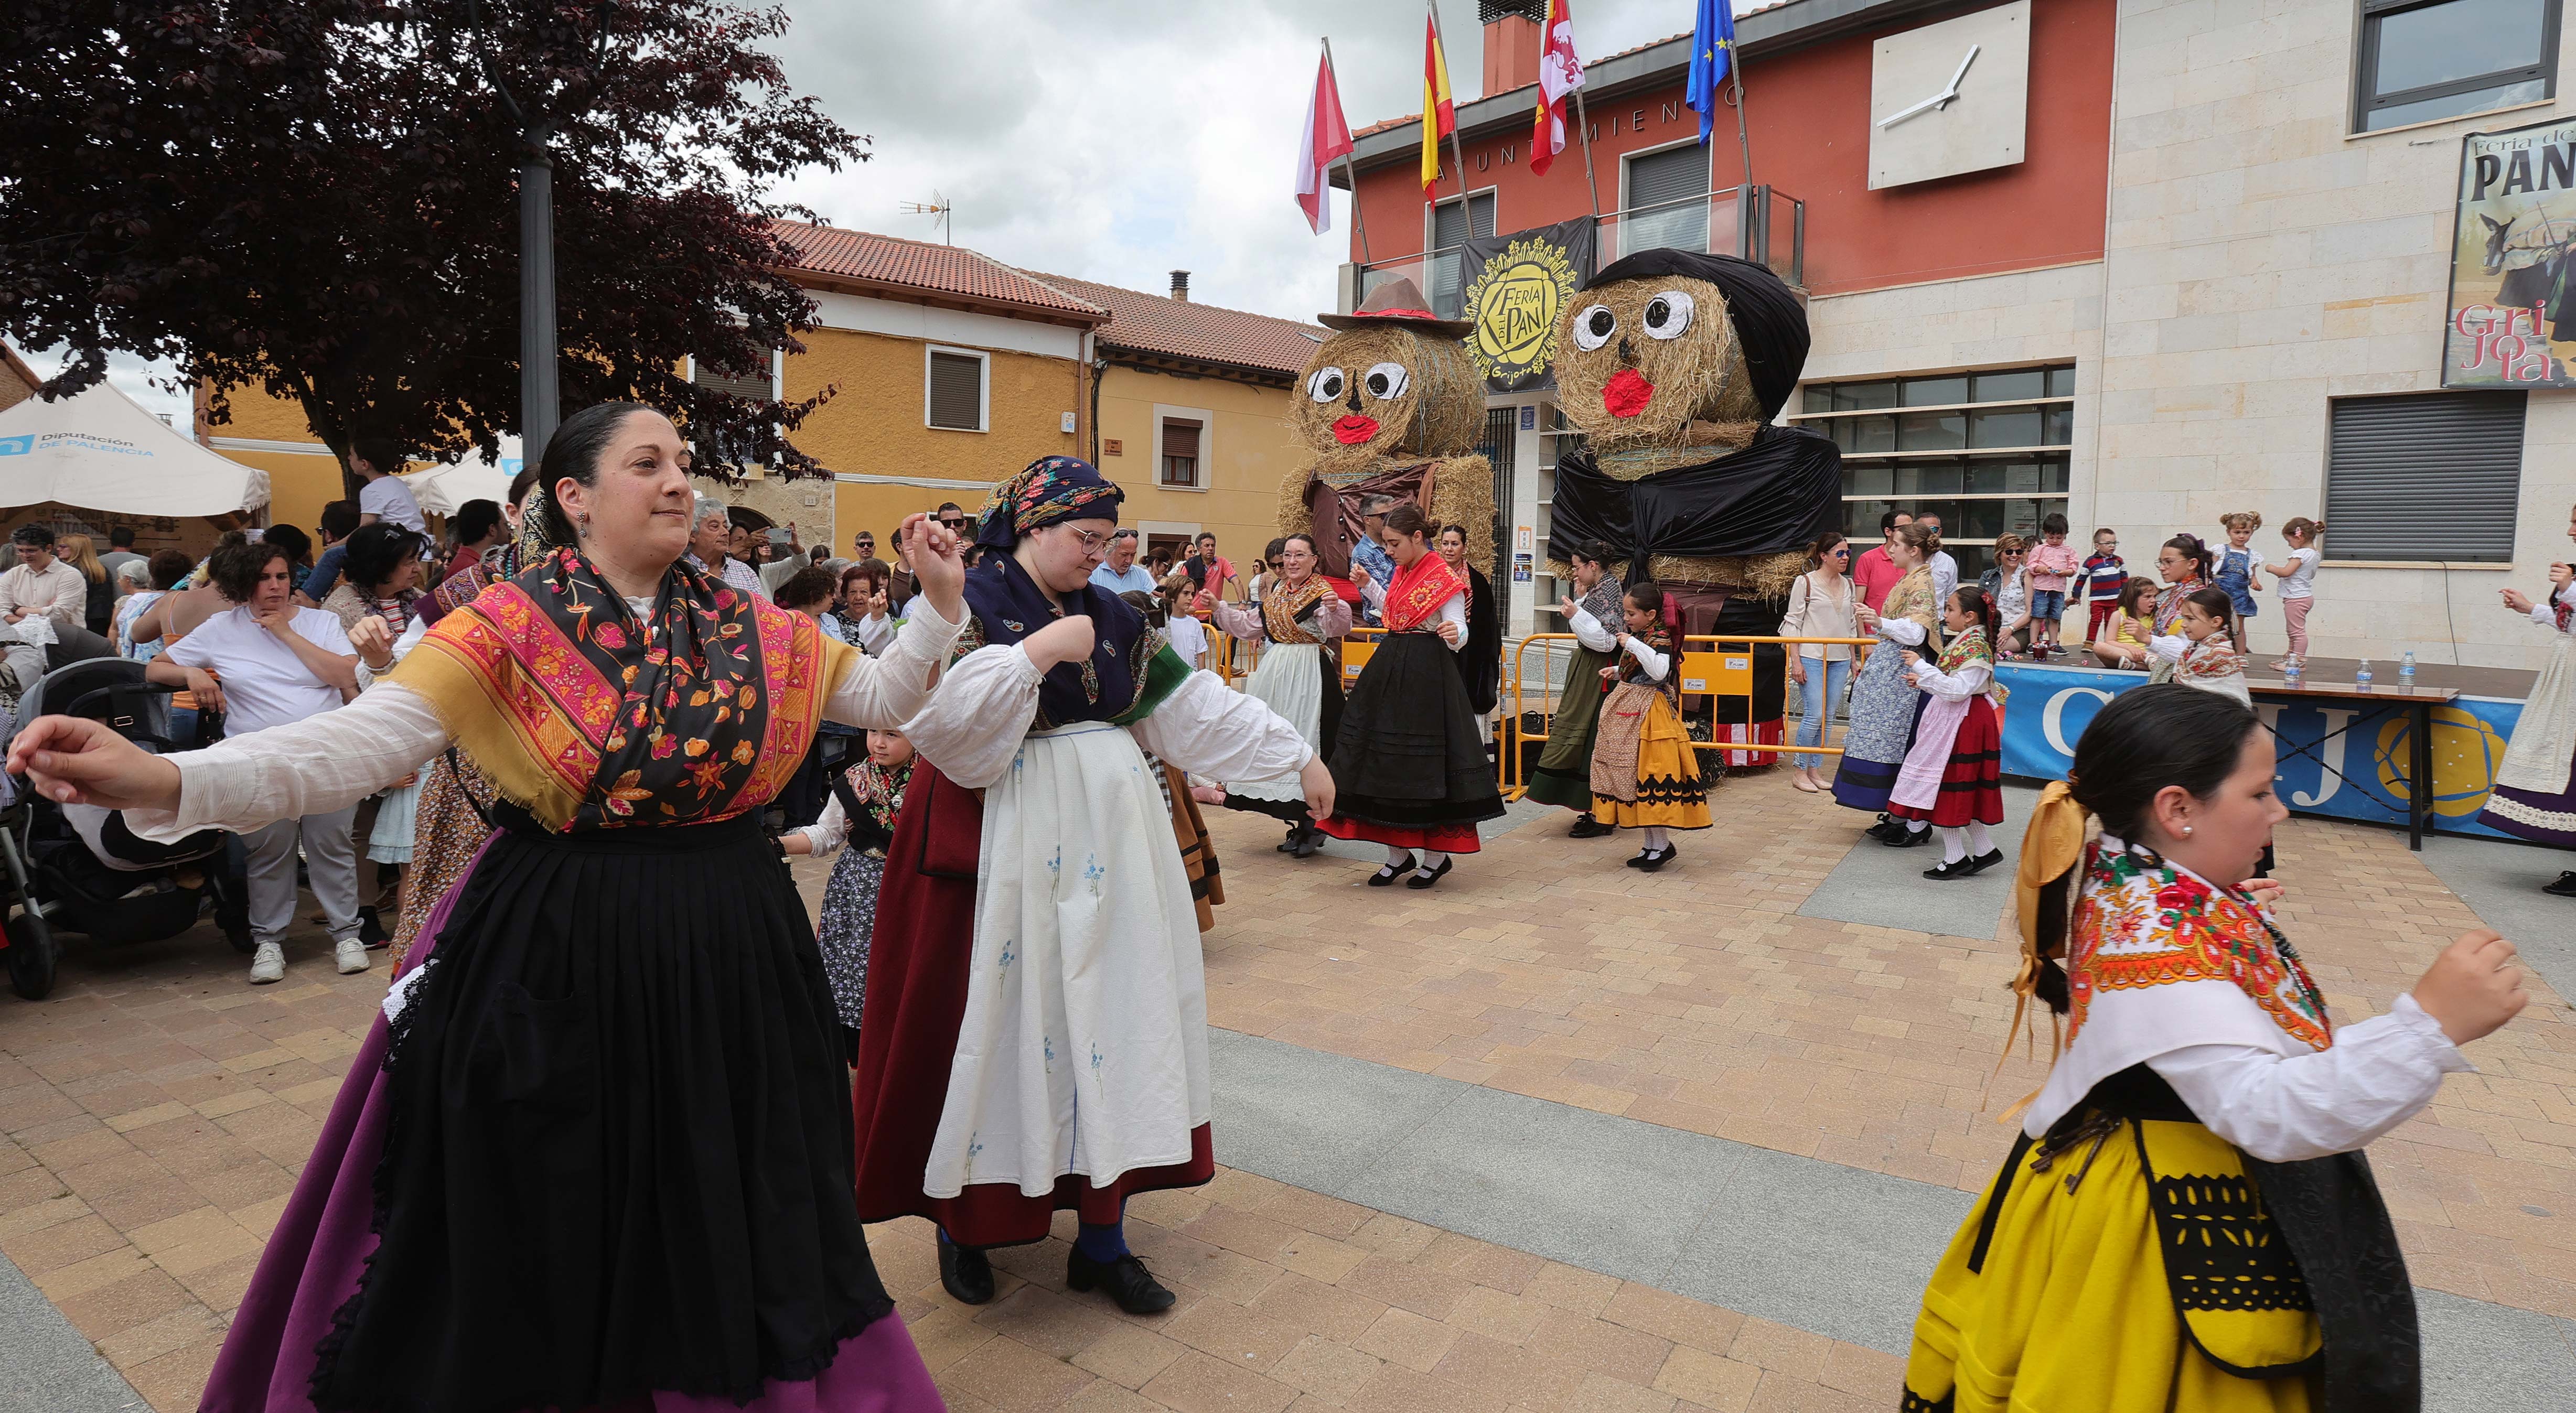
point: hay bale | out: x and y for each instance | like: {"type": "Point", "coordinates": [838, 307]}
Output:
{"type": "Point", "coordinates": [1698, 376]}
{"type": "Point", "coordinates": [1441, 411]}
{"type": "Point", "coordinates": [1462, 494]}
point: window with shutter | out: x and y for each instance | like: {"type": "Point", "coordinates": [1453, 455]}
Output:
{"type": "Point", "coordinates": [1452, 226]}
{"type": "Point", "coordinates": [2424, 476]}
{"type": "Point", "coordinates": [1180, 452]}
{"type": "Point", "coordinates": [1667, 201]}
{"type": "Point", "coordinates": [755, 387]}
{"type": "Point", "coordinates": [956, 391]}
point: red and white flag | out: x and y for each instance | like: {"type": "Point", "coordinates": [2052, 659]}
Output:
{"type": "Point", "coordinates": [1559, 74]}
{"type": "Point", "coordinates": [1326, 140]}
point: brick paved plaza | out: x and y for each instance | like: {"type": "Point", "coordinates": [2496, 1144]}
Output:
{"type": "Point", "coordinates": [1554, 1136]}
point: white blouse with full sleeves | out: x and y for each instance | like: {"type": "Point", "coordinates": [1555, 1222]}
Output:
{"type": "Point", "coordinates": [1975, 676]}
{"type": "Point", "coordinates": [337, 758]}
{"type": "Point", "coordinates": [984, 707]}
{"type": "Point", "coordinates": [1651, 662]}
{"type": "Point", "coordinates": [1452, 610]}
{"type": "Point", "coordinates": [1245, 621]}
{"type": "Point", "coordinates": [1591, 632]}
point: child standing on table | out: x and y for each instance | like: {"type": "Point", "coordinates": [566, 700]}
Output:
{"type": "Point", "coordinates": [2240, 569]}
{"type": "Point", "coordinates": [2203, 654]}
{"type": "Point", "coordinates": [866, 801]}
{"type": "Point", "coordinates": [2105, 576]}
{"type": "Point", "coordinates": [1645, 773]}
{"type": "Point", "coordinates": [2052, 564]}
{"type": "Point", "coordinates": [2298, 579]}
{"type": "Point", "coordinates": [1953, 775]}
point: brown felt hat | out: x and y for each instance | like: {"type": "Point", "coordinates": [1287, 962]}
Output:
{"type": "Point", "coordinates": [1398, 302]}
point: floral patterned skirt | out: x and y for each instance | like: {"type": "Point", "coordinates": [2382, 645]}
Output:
{"type": "Point", "coordinates": [849, 925]}
{"type": "Point", "coordinates": [447, 828]}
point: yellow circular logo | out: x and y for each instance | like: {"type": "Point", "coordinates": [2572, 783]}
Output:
{"type": "Point", "coordinates": [1514, 302]}
{"type": "Point", "coordinates": [2466, 755]}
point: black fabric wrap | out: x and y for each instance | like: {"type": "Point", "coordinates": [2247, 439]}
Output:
{"type": "Point", "coordinates": [1480, 662]}
{"type": "Point", "coordinates": [1778, 494]}
{"type": "Point", "coordinates": [1769, 321]}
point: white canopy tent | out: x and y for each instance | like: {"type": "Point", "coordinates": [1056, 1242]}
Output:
{"type": "Point", "coordinates": [100, 451]}
{"type": "Point", "coordinates": [443, 490]}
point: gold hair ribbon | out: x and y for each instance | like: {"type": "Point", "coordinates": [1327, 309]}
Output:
{"type": "Point", "coordinates": [2051, 847]}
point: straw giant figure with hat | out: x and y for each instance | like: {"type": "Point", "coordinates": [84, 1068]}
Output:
{"type": "Point", "coordinates": [1394, 405]}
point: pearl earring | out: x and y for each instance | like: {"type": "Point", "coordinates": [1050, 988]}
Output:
{"type": "Point", "coordinates": [2186, 831]}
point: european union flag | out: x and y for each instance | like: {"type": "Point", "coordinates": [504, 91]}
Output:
{"type": "Point", "coordinates": [1712, 54]}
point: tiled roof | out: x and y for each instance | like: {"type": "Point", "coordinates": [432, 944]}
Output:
{"type": "Point", "coordinates": [937, 269]}
{"type": "Point", "coordinates": [1153, 323]}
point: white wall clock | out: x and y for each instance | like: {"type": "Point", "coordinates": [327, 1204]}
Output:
{"type": "Point", "coordinates": [1951, 97]}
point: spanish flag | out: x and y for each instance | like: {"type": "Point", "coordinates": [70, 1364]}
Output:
{"type": "Point", "coordinates": [1439, 113]}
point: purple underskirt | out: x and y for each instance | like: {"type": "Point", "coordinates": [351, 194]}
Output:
{"type": "Point", "coordinates": [320, 1246]}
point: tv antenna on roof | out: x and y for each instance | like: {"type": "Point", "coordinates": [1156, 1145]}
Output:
{"type": "Point", "coordinates": [938, 206]}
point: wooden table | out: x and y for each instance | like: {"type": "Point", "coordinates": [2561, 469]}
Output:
{"type": "Point", "coordinates": [2375, 700]}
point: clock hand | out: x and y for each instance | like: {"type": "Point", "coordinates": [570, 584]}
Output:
{"type": "Point", "coordinates": [1928, 104]}
{"type": "Point", "coordinates": [1963, 69]}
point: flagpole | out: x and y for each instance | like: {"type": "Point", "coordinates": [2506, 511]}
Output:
{"type": "Point", "coordinates": [1735, 75]}
{"type": "Point", "coordinates": [1457, 153]}
{"type": "Point", "coordinates": [1583, 130]}
{"type": "Point", "coordinates": [1358, 221]}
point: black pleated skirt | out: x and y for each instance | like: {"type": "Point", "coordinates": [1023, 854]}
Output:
{"type": "Point", "coordinates": [620, 1157]}
{"type": "Point", "coordinates": [1409, 752]}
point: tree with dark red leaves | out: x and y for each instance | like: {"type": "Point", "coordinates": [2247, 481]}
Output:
{"type": "Point", "coordinates": [318, 198]}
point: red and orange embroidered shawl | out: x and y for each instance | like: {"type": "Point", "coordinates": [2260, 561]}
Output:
{"type": "Point", "coordinates": [2140, 922]}
{"type": "Point", "coordinates": [589, 718]}
{"type": "Point", "coordinates": [1414, 599]}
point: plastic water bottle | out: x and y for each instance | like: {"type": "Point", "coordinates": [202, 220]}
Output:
{"type": "Point", "coordinates": [2361, 678]}
{"type": "Point", "coordinates": [2292, 671]}
{"type": "Point", "coordinates": [2406, 671]}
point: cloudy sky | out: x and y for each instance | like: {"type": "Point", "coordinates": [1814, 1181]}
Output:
{"type": "Point", "coordinates": [1119, 140]}
{"type": "Point", "coordinates": [1113, 140]}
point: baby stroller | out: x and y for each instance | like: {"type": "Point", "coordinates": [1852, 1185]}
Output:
{"type": "Point", "coordinates": [78, 868]}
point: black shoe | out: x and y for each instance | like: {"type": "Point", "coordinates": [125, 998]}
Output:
{"type": "Point", "coordinates": [1296, 835]}
{"type": "Point", "coordinates": [1910, 839]}
{"type": "Point", "coordinates": [1388, 873]}
{"type": "Point", "coordinates": [1309, 843]}
{"type": "Point", "coordinates": [1421, 879]}
{"type": "Point", "coordinates": [965, 1272]}
{"type": "Point", "coordinates": [1653, 859]}
{"type": "Point", "coordinates": [1586, 827]}
{"type": "Point", "coordinates": [1126, 1280]}
{"type": "Point", "coordinates": [1887, 830]}
{"type": "Point", "coordinates": [1981, 862]}
{"type": "Point", "coordinates": [2565, 887]}
{"type": "Point", "coordinates": [1943, 872]}
{"type": "Point", "coordinates": [371, 929]}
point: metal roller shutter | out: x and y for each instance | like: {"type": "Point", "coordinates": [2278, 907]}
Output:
{"type": "Point", "coordinates": [2424, 476]}
{"type": "Point", "coordinates": [1447, 224]}
{"type": "Point", "coordinates": [1667, 176]}
{"type": "Point", "coordinates": [957, 392]}
{"type": "Point", "coordinates": [754, 388]}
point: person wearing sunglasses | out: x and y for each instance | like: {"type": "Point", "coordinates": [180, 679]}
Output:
{"type": "Point", "coordinates": [1820, 606]}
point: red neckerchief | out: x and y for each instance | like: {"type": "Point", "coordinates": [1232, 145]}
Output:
{"type": "Point", "coordinates": [1418, 591]}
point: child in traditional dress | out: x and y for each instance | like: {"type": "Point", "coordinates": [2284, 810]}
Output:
{"type": "Point", "coordinates": [1645, 774]}
{"type": "Point", "coordinates": [2297, 578]}
{"type": "Point", "coordinates": [2185, 1220]}
{"type": "Point", "coordinates": [2201, 652]}
{"type": "Point", "coordinates": [1953, 776]}
{"type": "Point", "coordinates": [865, 803]}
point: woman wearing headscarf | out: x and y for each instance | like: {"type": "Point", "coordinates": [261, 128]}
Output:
{"type": "Point", "coordinates": [1057, 1060]}
{"type": "Point", "coordinates": [596, 1154]}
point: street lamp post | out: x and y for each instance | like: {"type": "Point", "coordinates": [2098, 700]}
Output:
{"type": "Point", "coordinates": [538, 398]}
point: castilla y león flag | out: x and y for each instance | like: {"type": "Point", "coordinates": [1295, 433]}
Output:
{"type": "Point", "coordinates": [1559, 74]}
{"type": "Point", "coordinates": [1326, 140]}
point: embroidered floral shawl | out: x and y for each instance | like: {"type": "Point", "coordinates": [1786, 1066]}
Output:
{"type": "Point", "coordinates": [1912, 599]}
{"type": "Point", "coordinates": [2168, 615]}
{"type": "Point", "coordinates": [2211, 657]}
{"type": "Point", "coordinates": [1414, 599]}
{"type": "Point", "coordinates": [2140, 922]}
{"type": "Point", "coordinates": [1130, 670]}
{"type": "Point", "coordinates": [1283, 607]}
{"type": "Point", "coordinates": [1970, 646]}
{"type": "Point", "coordinates": [589, 718]}
{"type": "Point", "coordinates": [1659, 636]}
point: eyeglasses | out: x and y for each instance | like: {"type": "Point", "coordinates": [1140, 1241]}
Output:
{"type": "Point", "coordinates": [953, 524]}
{"type": "Point", "coordinates": [1840, 552]}
{"type": "Point", "coordinates": [1091, 540]}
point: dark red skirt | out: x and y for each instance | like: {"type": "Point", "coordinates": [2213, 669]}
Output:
{"type": "Point", "coordinates": [916, 999]}
{"type": "Point", "coordinates": [1438, 838]}
{"type": "Point", "coordinates": [1972, 784]}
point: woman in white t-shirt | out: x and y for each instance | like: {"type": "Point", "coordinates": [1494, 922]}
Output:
{"type": "Point", "coordinates": [1820, 606]}
{"type": "Point", "coordinates": [265, 662]}
{"type": "Point", "coordinates": [2297, 580]}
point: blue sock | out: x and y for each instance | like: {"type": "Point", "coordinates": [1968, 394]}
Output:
{"type": "Point", "coordinates": [1103, 1243]}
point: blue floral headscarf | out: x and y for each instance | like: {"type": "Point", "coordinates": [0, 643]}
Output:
{"type": "Point", "coordinates": [1052, 488]}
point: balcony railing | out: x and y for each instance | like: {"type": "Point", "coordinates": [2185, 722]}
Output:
{"type": "Point", "coordinates": [1756, 222]}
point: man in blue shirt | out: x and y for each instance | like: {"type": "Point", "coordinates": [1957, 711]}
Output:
{"type": "Point", "coordinates": [1368, 554]}
{"type": "Point", "coordinates": [1118, 571]}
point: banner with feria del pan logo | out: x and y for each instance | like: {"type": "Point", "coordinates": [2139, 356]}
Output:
{"type": "Point", "coordinates": [2511, 321]}
{"type": "Point", "coordinates": [1515, 286]}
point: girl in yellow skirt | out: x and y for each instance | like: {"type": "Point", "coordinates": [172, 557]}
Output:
{"type": "Point", "coordinates": [1645, 775]}
{"type": "Point", "coordinates": [2187, 1223]}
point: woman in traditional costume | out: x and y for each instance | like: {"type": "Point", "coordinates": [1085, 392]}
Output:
{"type": "Point", "coordinates": [1952, 780]}
{"type": "Point", "coordinates": [2185, 564]}
{"type": "Point", "coordinates": [453, 815]}
{"type": "Point", "coordinates": [1883, 703]}
{"type": "Point", "coordinates": [2201, 653]}
{"type": "Point", "coordinates": [1480, 661]}
{"type": "Point", "coordinates": [2187, 1221]}
{"type": "Point", "coordinates": [1299, 676]}
{"type": "Point", "coordinates": [1563, 775]}
{"type": "Point", "coordinates": [597, 1153]}
{"type": "Point", "coordinates": [1409, 764]}
{"type": "Point", "coordinates": [2535, 789]}
{"type": "Point", "coordinates": [1035, 1037]}
{"type": "Point", "coordinates": [1645, 773]}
